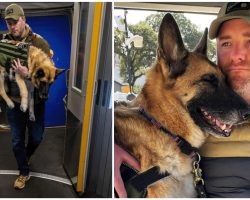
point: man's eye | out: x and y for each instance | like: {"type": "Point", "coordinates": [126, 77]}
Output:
{"type": "Point", "coordinates": [226, 44]}
{"type": "Point", "coordinates": [11, 22]}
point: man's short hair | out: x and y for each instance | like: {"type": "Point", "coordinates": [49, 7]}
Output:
{"type": "Point", "coordinates": [231, 10]}
{"type": "Point", "coordinates": [13, 11]}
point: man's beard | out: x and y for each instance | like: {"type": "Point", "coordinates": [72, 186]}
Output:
{"type": "Point", "coordinates": [16, 34]}
{"type": "Point", "coordinates": [242, 88]}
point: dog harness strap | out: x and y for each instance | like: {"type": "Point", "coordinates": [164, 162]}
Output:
{"type": "Point", "coordinates": [146, 178]}
{"type": "Point", "coordinates": [183, 144]}
{"type": "Point", "coordinates": [137, 185]}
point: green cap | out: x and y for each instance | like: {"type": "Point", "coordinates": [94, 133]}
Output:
{"type": "Point", "coordinates": [231, 10]}
{"type": "Point", "coordinates": [13, 11]}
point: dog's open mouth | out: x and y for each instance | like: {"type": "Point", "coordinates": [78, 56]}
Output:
{"type": "Point", "coordinates": [220, 127]}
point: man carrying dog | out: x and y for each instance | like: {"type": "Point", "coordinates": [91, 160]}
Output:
{"type": "Point", "coordinates": [18, 120]}
{"type": "Point", "coordinates": [225, 162]}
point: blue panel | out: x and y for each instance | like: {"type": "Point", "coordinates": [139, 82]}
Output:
{"type": "Point", "coordinates": [56, 30]}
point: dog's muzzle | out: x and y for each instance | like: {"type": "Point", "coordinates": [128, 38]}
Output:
{"type": "Point", "coordinates": [44, 90]}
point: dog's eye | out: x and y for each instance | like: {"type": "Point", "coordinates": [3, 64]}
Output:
{"type": "Point", "coordinates": [210, 78]}
{"type": "Point", "coordinates": [40, 73]}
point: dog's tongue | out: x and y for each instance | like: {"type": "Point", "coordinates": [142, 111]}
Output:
{"type": "Point", "coordinates": [226, 128]}
{"type": "Point", "coordinates": [220, 124]}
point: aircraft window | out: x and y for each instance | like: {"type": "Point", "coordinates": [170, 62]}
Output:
{"type": "Point", "coordinates": [81, 45]}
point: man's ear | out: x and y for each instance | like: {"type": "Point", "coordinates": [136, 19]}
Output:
{"type": "Point", "coordinates": [24, 18]}
{"type": "Point", "coordinates": [59, 71]}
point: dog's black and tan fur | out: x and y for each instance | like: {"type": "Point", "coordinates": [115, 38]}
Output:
{"type": "Point", "coordinates": [42, 72]}
{"type": "Point", "coordinates": [187, 94]}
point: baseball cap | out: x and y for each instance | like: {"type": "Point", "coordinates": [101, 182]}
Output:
{"type": "Point", "coordinates": [13, 11]}
{"type": "Point", "coordinates": [230, 10]}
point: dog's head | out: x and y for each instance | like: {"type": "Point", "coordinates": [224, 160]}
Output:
{"type": "Point", "coordinates": [196, 83]}
{"type": "Point", "coordinates": [43, 79]}
{"type": "Point", "coordinates": [43, 72]}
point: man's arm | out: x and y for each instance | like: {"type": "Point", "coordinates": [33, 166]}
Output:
{"type": "Point", "coordinates": [122, 156]}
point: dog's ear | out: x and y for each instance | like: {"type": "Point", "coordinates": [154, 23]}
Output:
{"type": "Point", "coordinates": [171, 47]}
{"type": "Point", "coordinates": [59, 71]}
{"type": "Point", "coordinates": [202, 45]}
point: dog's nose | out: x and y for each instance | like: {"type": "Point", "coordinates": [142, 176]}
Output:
{"type": "Point", "coordinates": [245, 114]}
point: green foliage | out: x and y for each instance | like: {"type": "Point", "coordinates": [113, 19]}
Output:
{"type": "Point", "coordinates": [137, 88]}
{"type": "Point", "coordinates": [141, 58]}
{"type": "Point", "coordinates": [148, 29]}
{"type": "Point", "coordinates": [190, 32]}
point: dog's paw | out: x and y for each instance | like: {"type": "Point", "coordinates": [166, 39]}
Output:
{"type": "Point", "coordinates": [11, 105]}
{"type": "Point", "coordinates": [23, 107]}
{"type": "Point", "coordinates": [32, 117]}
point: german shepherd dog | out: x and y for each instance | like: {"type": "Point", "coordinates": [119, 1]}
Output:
{"type": "Point", "coordinates": [42, 73]}
{"type": "Point", "coordinates": [185, 98]}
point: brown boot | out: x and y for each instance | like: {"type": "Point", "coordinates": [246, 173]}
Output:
{"type": "Point", "coordinates": [20, 182]}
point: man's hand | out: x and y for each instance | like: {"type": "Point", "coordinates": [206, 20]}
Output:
{"type": "Point", "coordinates": [122, 156]}
{"type": "Point", "coordinates": [19, 68]}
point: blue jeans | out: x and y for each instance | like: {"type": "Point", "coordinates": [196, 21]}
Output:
{"type": "Point", "coordinates": [18, 121]}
